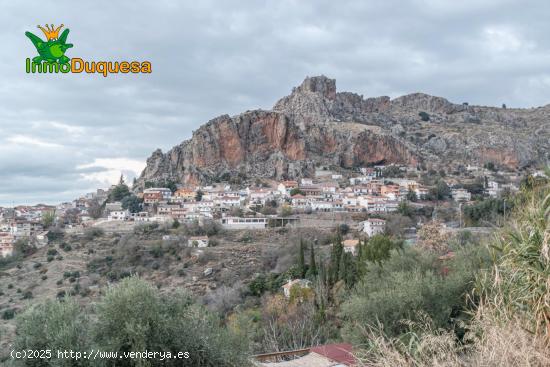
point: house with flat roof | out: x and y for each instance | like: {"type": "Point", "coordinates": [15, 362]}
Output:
{"type": "Point", "coordinates": [374, 226]}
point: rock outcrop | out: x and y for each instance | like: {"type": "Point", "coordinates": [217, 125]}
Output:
{"type": "Point", "coordinates": [316, 125]}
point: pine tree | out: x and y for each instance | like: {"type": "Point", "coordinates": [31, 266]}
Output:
{"type": "Point", "coordinates": [360, 260]}
{"type": "Point", "coordinates": [301, 259]}
{"type": "Point", "coordinates": [351, 270]}
{"type": "Point", "coordinates": [312, 269]}
{"type": "Point", "coordinates": [322, 271]}
{"type": "Point", "coordinates": [335, 256]}
{"type": "Point", "coordinates": [343, 267]}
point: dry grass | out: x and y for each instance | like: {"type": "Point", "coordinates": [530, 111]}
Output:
{"type": "Point", "coordinates": [489, 343]}
{"type": "Point", "coordinates": [507, 344]}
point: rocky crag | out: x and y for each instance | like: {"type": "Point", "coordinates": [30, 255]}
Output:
{"type": "Point", "coordinates": [316, 125]}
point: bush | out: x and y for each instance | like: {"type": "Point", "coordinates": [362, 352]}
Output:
{"type": "Point", "coordinates": [52, 324]}
{"type": "Point", "coordinates": [488, 210]}
{"type": "Point", "coordinates": [93, 232]}
{"type": "Point", "coordinates": [343, 229]}
{"type": "Point", "coordinates": [66, 247]}
{"type": "Point", "coordinates": [8, 314]}
{"type": "Point", "coordinates": [147, 228]}
{"type": "Point", "coordinates": [411, 284]}
{"type": "Point", "coordinates": [156, 322]}
{"type": "Point", "coordinates": [424, 116]}
{"type": "Point", "coordinates": [52, 252]}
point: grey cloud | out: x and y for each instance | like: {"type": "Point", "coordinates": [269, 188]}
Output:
{"type": "Point", "coordinates": [214, 57]}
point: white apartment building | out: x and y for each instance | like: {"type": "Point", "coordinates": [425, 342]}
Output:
{"type": "Point", "coordinates": [374, 226]}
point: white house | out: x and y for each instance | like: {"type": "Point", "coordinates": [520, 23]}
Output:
{"type": "Point", "coordinates": [493, 189]}
{"type": "Point", "coordinates": [285, 187]}
{"type": "Point", "coordinates": [140, 217]}
{"type": "Point", "coordinates": [374, 226]}
{"type": "Point", "coordinates": [461, 195]}
{"type": "Point", "coordinates": [351, 246]}
{"type": "Point", "coordinates": [244, 223]}
{"type": "Point", "coordinates": [166, 209]}
{"type": "Point", "coordinates": [21, 229]}
{"type": "Point", "coordinates": [6, 244]}
{"type": "Point", "coordinates": [228, 201]}
{"type": "Point", "coordinates": [360, 180]}
{"type": "Point", "coordinates": [302, 283]}
{"type": "Point", "coordinates": [421, 192]}
{"type": "Point", "coordinates": [118, 215]}
{"type": "Point", "coordinates": [198, 241]}
{"type": "Point", "coordinates": [260, 196]}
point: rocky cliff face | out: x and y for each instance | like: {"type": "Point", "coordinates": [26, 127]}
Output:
{"type": "Point", "coordinates": [316, 125]}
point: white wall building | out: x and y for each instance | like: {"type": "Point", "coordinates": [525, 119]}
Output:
{"type": "Point", "coordinates": [461, 195]}
{"type": "Point", "coordinates": [118, 215]}
{"type": "Point", "coordinates": [6, 244]}
{"type": "Point", "coordinates": [374, 226]}
{"type": "Point", "coordinates": [244, 223]}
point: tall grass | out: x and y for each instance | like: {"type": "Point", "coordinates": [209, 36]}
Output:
{"type": "Point", "coordinates": [511, 318]}
{"type": "Point", "coordinates": [519, 285]}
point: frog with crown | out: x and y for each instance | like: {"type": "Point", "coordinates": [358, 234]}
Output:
{"type": "Point", "coordinates": [53, 49]}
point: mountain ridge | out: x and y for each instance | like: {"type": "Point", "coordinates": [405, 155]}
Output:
{"type": "Point", "coordinates": [316, 125]}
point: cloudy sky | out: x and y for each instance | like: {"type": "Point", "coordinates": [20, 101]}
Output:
{"type": "Point", "coordinates": [64, 135]}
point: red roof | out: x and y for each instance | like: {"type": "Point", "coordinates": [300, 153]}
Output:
{"type": "Point", "coordinates": [341, 353]}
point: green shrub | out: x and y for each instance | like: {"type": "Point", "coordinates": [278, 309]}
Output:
{"type": "Point", "coordinates": [52, 252]}
{"type": "Point", "coordinates": [93, 232]}
{"type": "Point", "coordinates": [156, 322]}
{"type": "Point", "coordinates": [144, 229]}
{"type": "Point", "coordinates": [8, 314]}
{"type": "Point", "coordinates": [410, 284]}
{"type": "Point", "coordinates": [488, 210]}
{"type": "Point", "coordinates": [424, 116]}
{"type": "Point", "coordinates": [52, 325]}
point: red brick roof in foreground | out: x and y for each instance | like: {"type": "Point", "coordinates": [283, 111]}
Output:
{"type": "Point", "coordinates": [341, 353]}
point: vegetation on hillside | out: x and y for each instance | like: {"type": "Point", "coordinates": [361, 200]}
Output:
{"type": "Point", "coordinates": [509, 303]}
{"type": "Point", "coordinates": [451, 300]}
{"type": "Point", "coordinates": [131, 317]}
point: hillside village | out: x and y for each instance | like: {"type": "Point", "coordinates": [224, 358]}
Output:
{"type": "Point", "coordinates": [373, 191]}
{"type": "Point", "coordinates": [240, 247]}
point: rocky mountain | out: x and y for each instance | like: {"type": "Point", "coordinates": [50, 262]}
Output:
{"type": "Point", "coordinates": [316, 125]}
